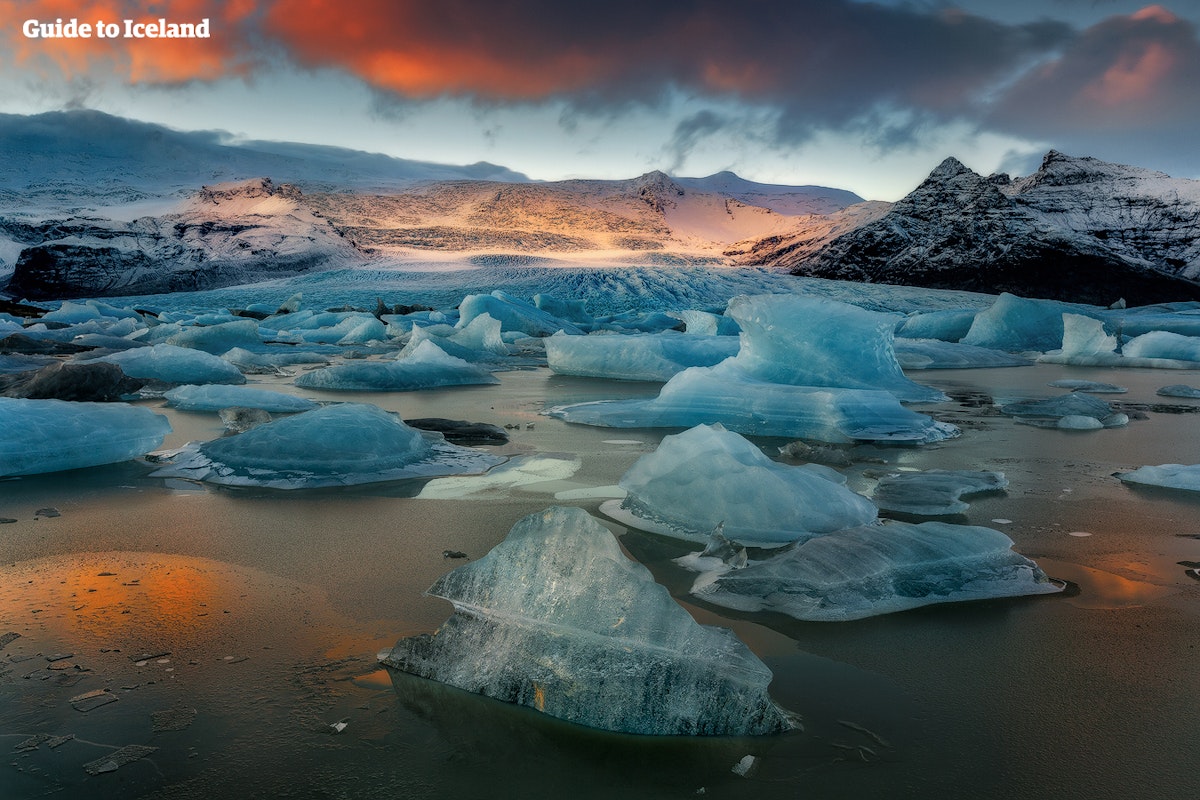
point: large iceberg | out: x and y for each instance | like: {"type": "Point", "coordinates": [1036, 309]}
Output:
{"type": "Point", "coordinates": [707, 476]}
{"type": "Point", "coordinates": [52, 435]}
{"type": "Point", "coordinates": [556, 618]}
{"type": "Point", "coordinates": [1016, 324]}
{"type": "Point", "coordinates": [338, 445]}
{"type": "Point", "coordinates": [635, 357]}
{"type": "Point", "coordinates": [806, 367]}
{"type": "Point", "coordinates": [878, 569]}
{"type": "Point", "coordinates": [427, 366]}
{"type": "Point", "coordinates": [513, 314]}
{"type": "Point", "coordinates": [217, 339]}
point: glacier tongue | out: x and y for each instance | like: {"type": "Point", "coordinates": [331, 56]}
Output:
{"type": "Point", "coordinates": [555, 617]}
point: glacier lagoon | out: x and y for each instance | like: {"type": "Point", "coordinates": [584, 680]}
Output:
{"type": "Point", "coordinates": [254, 619]}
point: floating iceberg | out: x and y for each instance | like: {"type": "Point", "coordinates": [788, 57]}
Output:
{"type": "Point", "coordinates": [934, 492]}
{"type": "Point", "coordinates": [89, 381]}
{"type": "Point", "coordinates": [214, 398]}
{"type": "Point", "coordinates": [217, 339]}
{"type": "Point", "coordinates": [707, 476]}
{"type": "Point", "coordinates": [936, 354]}
{"type": "Point", "coordinates": [339, 445]}
{"type": "Point", "coordinates": [948, 326]}
{"type": "Point", "coordinates": [171, 364]}
{"type": "Point", "coordinates": [271, 361]}
{"type": "Point", "coordinates": [1178, 390]}
{"type": "Point", "coordinates": [52, 435]}
{"type": "Point", "coordinates": [1165, 345]}
{"type": "Point", "coordinates": [705, 323]}
{"type": "Point", "coordinates": [1017, 324]}
{"type": "Point", "coordinates": [478, 342]}
{"type": "Point", "coordinates": [878, 569]}
{"type": "Point", "coordinates": [725, 394]}
{"type": "Point", "coordinates": [635, 357]}
{"type": "Point", "coordinates": [513, 314]}
{"type": "Point", "coordinates": [426, 367]}
{"type": "Point", "coordinates": [556, 618]}
{"type": "Point", "coordinates": [806, 368]}
{"type": "Point", "coordinates": [1169, 476]}
{"type": "Point", "coordinates": [1091, 387]}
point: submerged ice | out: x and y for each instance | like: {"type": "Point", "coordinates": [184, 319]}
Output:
{"type": "Point", "coordinates": [556, 618]}
{"type": "Point", "coordinates": [934, 492]}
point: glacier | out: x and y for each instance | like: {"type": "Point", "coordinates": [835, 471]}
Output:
{"type": "Point", "coordinates": [337, 445]}
{"type": "Point", "coordinates": [708, 476]}
{"type": "Point", "coordinates": [878, 569]}
{"type": "Point", "coordinates": [52, 435]}
{"type": "Point", "coordinates": [557, 618]}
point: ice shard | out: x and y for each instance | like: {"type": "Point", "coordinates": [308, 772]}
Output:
{"type": "Point", "coordinates": [555, 617]}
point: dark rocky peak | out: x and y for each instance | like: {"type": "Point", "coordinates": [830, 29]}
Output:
{"type": "Point", "coordinates": [1060, 169]}
{"type": "Point", "coordinates": [951, 187]}
{"type": "Point", "coordinates": [657, 190]}
{"type": "Point", "coordinates": [256, 187]}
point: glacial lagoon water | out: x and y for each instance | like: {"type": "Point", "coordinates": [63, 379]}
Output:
{"type": "Point", "coordinates": [238, 629]}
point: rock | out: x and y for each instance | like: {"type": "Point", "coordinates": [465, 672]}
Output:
{"type": "Point", "coordinates": [461, 432]}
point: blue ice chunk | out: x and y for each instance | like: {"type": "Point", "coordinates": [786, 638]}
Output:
{"type": "Point", "coordinates": [513, 314]}
{"type": "Point", "coordinates": [215, 398]}
{"type": "Point", "coordinates": [338, 445]}
{"type": "Point", "coordinates": [1179, 390]}
{"type": "Point", "coordinates": [171, 364]}
{"type": "Point", "coordinates": [51, 435]}
{"type": "Point", "coordinates": [286, 357]}
{"type": "Point", "coordinates": [480, 341]}
{"type": "Point", "coordinates": [1168, 476]}
{"type": "Point", "coordinates": [425, 367]}
{"type": "Point", "coordinates": [1018, 324]}
{"type": "Point", "coordinates": [1076, 409]}
{"type": "Point", "coordinates": [706, 323]}
{"type": "Point", "coordinates": [947, 326]}
{"type": "Point", "coordinates": [878, 569]}
{"type": "Point", "coordinates": [71, 312]}
{"type": "Point", "coordinates": [937, 354]}
{"type": "Point", "coordinates": [217, 339]}
{"type": "Point", "coordinates": [706, 476]}
{"type": "Point", "coordinates": [556, 618]}
{"type": "Point", "coordinates": [570, 310]}
{"type": "Point", "coordinates": [1163, 344]}
{"type": "Point", "coordinates": [635, 357]}
{"type": "Point", "coordinates": [934, 492]}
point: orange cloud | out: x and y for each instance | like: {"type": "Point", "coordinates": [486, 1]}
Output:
{"type": "Point", "coordinates": [130, 60]}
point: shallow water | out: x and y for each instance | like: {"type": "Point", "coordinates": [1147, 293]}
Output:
{"type": "Point", "coordinates": [235, 627]}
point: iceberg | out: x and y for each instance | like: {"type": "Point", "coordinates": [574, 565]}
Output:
{"type": "Point", "coordinates": [947, 326]}
{"type": "Point", "coordinates": [1164, 345]}
{"type": "Point", "coordinates": [170, 364]}
{"type": "Point", "coordinates": [1067, 411]}
{"type": "Point", "coordinates": [1178, 390]}
{"type": "Point", "coordinates": [1016, 324]}
{"type": "Point", "coordinates": [214, 398]}
{"type": "Point", "coordinates": [635, 357]}
{"type": "Point", "coordinates": [426, 367]}
{"type": "Point", "coordinates": [478, 342]}
{"type": "Point", "coordinates": [1091, 387]}
{"type": "Point", "coordinates": [705, 323]}
{"type": "Point", "coordinates": [878, 569]}
{"type": "Point", "coordinates": [708, 476]}
{"type": "Point", "coordinates": [338, 445]}
{"type": "Point", "coordinates": [60, 380]}
{"type": "Point", "coordinates": [936, 354]}
{"type": "Point", "coordinates": [934, 492]}
{"type": "Point", "coordinates": [726, 394]}
{"type": "Point", "coordinates": [1168, 476]}
{"type": "Point", "coordinates": [513, 314]}
{"type": "Point", "coordinates": [52, 435]}
{"type": "Point", "coordinates": [556, 618]}
{"type": "Point", "coordinates": [217, 339]}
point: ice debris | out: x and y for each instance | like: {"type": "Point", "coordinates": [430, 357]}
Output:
{"type": "Point", "coordinates": [338, 445]}
{"type": "Point", "coordinates": [555, 617]}
{"type": "Point", "coordinates": [878, 569]}
{"type": "Point", "coordinates": [118, 758]}
{"type": "Point", "coordinates": [708, 476]}
{"type": "Point", "coordinates": [425, 367]}
{"type": "Point", "coordinates": [52, 435]}
{"type": "Point", "coordinates": [934, 492]}
{"type": "Point", "coordinates": [1169, 476]}
{"type": "Point", "coordinates": [1091, 387]}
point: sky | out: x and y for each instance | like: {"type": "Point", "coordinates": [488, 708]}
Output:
{"type": "Point", "coordinates": [862, 96]}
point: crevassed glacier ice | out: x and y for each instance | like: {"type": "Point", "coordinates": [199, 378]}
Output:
{"type": "Point", "coordinates": [214, 398]}
{"type": "Point", "coordinates": [426, 367]}
{"type": "Point", "coordinates": [878, 569]}
{"type": "Point", "coordinates": [1169, 476]}
{"type": "Point", "coordinates": [556, 618]}
{"type": "Point", "coordinates": [171, 364]}
{"type": "Point", "coordinates": [635, 357]}
{"type": "Point", "coordinates": [51, 435]}
{"type": "Point", "coordinates": [934, 492]}
{"type": "Point", "coordinates": [338, 445]}
{"type": "Point", "coordinates": [726, 394]}
{"type": "Point", "coordinates": [709, 476]}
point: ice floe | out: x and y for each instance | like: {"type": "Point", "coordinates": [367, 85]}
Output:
{"type": "Point", "coordinates": [52, 435]}
{"type": "Point", "coordinates": [215, 397]}
{"type": "Point", "coordinates": [1170, 476]}
{"type": "Point", "coordinates": [1178, 390]}
{"type": "Point", "coordinates": [635, 357]}
{"type": "Point", "coordinates": [338, 445]}
{"type": "Point", "coordinates": [556, 618]}
{"type": "Point", "coordinates": [170, 364]}
{"type": "Point", "coordinates": [427, 366]}
{"type": "Point", "coordinates": [934, 492]}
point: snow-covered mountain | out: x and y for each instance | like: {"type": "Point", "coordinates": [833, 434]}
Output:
{"type": "Point", "coordinates": [1078, 229]}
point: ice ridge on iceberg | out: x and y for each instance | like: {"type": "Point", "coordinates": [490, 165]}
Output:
{"type": "Point", "coordinates": [707, 476]}
{"type": "Point", "coordinates": [878, 569]}
{"type": "Point", "coordinates": [338, 445]}
{"type": "Point", "coordinates": [556, 618]}
{"type": "Point", "coordinates": [51, 435]}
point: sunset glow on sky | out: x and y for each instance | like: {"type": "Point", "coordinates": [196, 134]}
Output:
{"type": "Point", "coordinates": [865, 96]}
